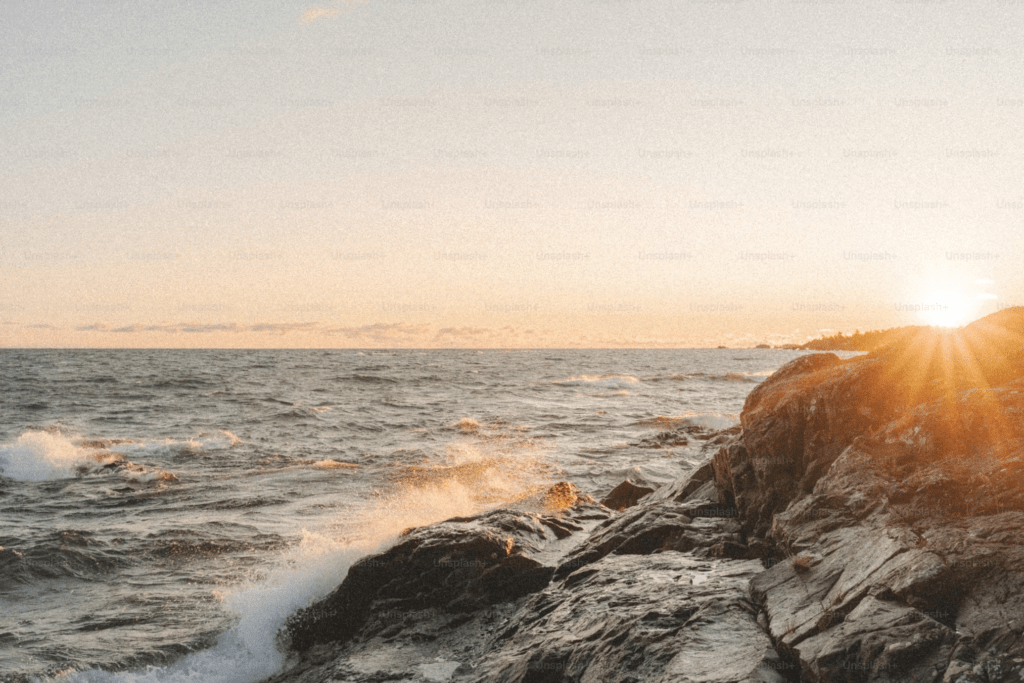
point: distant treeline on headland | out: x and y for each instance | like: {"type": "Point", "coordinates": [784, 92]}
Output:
{"type": "Point", "coordinates": [865, 341]}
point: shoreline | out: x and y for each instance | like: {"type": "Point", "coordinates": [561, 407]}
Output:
{"type": "Point", "coordinates": [820, 542]}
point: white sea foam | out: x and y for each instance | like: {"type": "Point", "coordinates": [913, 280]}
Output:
{"type": "Point", "coordinates": [709, 421]}
{"type": "Point", "coordinates": [248, 651]}
{"type": "Point", "coordinates": [468, 424]}
{"type": "Point", "coordinates": [48, 456]}
{"type": "Point", "coordinates": [235, 441]}
{"type": "Point", "coordinates": [334, 465]}
{"type": "Point", "coordinates": [42, 456]}
{"type": "Point", "coordinates": [602, 381]}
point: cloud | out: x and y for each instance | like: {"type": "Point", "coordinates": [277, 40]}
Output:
{"type": "Point", "coordinates": [402, 335]}
{"type": "Point", "coordinates": [311, 15]}
{"type": "Point", "coordinates": [463, 332]}
{"type": "Point", "coordinates": [382, 332]}
{"type": "Point", "coordinates": [284, 328]}
{"type": "Point", "coordinates": [318, 13]}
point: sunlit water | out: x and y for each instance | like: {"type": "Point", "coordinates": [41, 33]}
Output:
{"type": "Point", "coordinates": [163, 512]}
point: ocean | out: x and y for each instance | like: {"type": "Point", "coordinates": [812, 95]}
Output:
{"type": "Point", "coordinates": [162, 512]}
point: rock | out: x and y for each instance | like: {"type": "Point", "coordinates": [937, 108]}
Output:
{"type": "Point", "coordinates": [686, 487]}
{"type": "Point", "coordinates": [798, 421]}
{"type": "Point", "coordinates": [460, 565]}
{"type": "Point", "coordinates": [889, 490]}
{"type": "Point", "coordinates": [625, 495]}
{"type": "Point", "coordinates": [671, 518]}
{"type": "Point", "coordinates": [562, 496]}
{"type": "Point", "coordinates": [602, 625]}
{"type": "Point", "coordinates": [659, 592]}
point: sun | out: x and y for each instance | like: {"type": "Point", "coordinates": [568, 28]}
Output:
{"type": "Point", "coordinates": [946, 309]}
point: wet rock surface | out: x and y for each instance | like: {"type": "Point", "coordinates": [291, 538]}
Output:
{"type": "Point", "coordinates": [897, 545]}
{"type": "Point", "coordinates": [602, 624]}
{"type": "Point", "coordinates": [626, 495]}
{"type": "Point", "coordinates": [867, 524]}
{"type": "Point", "coordinates": [578, 594]}
{"type": "Point", "coordinates": [456, 566]}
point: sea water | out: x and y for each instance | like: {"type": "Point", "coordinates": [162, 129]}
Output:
{"type": "Point", "coordinates": [162, 512]}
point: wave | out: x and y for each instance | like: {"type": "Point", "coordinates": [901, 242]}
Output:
{"type": "Point", "coordinates": [628, 381]}
{"type": "Point", "coordinates": [44, 456]}
{"type": "Point", "coordinates": [752, 377]}
{"type": "Point", "coordinates": [181, 384]}
{"type": "Point", "coordinates": [248, 651]}
{"type": "Point", "coordinates": [60, 555]}
{"type": "Point", "coordinates": [334, 465]}
{"type": "Point", "coordinates": [711, 422]}
{"type": "Point", "coordinates": [235, 441]}
{"type": "Point", "coordinates": [468, 482]}
{"type": "Point", "coordinates": [38, 456]}
{"type": "Point", "coordinates": [366, 379]}
{"type": "Point", "coordinates": [602, 381]}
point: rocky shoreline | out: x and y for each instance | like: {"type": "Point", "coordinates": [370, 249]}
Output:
{"type": "Point", "coordinates": [866, 523]}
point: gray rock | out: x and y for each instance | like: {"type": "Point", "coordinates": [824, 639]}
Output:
{"type": "Point", "coordinates": [625, 495]}
{"type": "Point", "coordinates": [472, 600]}
{"type": "Point", "coordinates": [883, 496]}
{"type": "Point", "coordinates": [460, 565]}
{"type": "Point", "coordinates": [890, 489]}
{"type": "Point", "coordinates": [603, 623]}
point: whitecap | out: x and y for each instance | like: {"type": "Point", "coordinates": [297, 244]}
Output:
{"type": "Point", "coordinates": [712, 422]}
{"type": "Point", "coordinates": [43, 456]}
{"type": "Point", "coordinates": [235, 441]}
{"type": "Point", "coordinates": [602, 381]}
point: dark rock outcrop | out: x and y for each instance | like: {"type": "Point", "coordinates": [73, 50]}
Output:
{"type": "Point", "coordinates": [601, 624]}
{"type": "Point", "coordinates": [656, 593]}
{"type": "Point", "coordinates": [625, 495]}
{"type": "Point", "coordinates": [891, 489]}
{"type": "Point", "coordinates": [460, 565]}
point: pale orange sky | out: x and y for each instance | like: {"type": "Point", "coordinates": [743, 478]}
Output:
{"type": "Point", "coordinates": [506, 174]}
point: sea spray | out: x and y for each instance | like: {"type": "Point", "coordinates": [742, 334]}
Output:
{"type": "Point", "coordinates": [248, 651]}
{"type": "Point", "coordinates": [471, 481]}
{"type": "Point", "coordinates": [43, 456]}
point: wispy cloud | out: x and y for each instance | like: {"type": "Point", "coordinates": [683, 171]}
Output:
{"type": "Point", "coordinates": [389, 335]}
{"type": "Point", "coordinates": [284, 328]}
{"type": "Point", "coordinates": [317, 13]}
{"type": "Point", "coordinates": [463, 332]}
{"type": "Point", "coordinates": [382, 332]}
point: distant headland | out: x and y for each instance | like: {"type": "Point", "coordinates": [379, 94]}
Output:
{"type": "Point", "coordinates": [867, 341]}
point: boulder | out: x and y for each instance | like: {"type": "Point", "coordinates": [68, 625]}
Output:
{"type": "Point", "coordinates": [625, 495]}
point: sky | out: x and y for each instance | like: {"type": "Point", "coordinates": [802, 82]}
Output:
{"type": "Point", "coordinates": [505, 173]}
